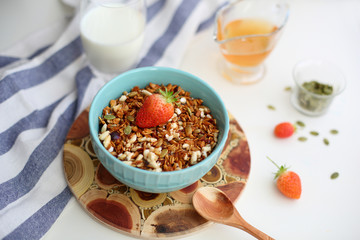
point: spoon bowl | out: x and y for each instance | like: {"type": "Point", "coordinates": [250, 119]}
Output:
{"type": "Point", "coordinates": [213, 204]}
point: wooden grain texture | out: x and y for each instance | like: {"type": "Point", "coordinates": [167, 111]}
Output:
{"type": "Point", "coordinates": [150, 215]}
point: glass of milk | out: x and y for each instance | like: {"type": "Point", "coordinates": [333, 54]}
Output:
{"type": "Point", "coordinates": [112, 33]}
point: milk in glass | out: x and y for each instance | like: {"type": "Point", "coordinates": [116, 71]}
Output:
{"type": "Point", "coordinates": [112, 36]}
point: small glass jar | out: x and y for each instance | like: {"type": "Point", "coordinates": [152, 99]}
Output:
{"type": "Point", "coordinates": [317, 83]}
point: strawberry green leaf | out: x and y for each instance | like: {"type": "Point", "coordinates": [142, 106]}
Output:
{"type": "Point", "coordinates": [281, 170]}
{"type": "Point", "coordinates": [169, 96]}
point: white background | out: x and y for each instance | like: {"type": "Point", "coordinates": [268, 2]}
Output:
{"type": "Point", "coordinates": [328, 209]}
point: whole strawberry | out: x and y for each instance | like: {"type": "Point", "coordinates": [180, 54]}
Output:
{"type": "Point", "coordinates": [156, 110]}
{"type": "Point", "coordinates": [284, 130]}
{"type": "Point", "coordinates": [288, 182]}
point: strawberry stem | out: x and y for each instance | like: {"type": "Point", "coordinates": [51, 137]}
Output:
{"type": "Point", "coordinates": [282, 169]}
{"type": "Point", "coordinates": [273, 162]}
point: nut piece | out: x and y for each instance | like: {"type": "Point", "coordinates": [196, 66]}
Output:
{"type": "Point", "coordinates": [159, 142]}
{"type": "Point", "coordinates": [206, 149]}
{"type": "Point", "coordinates": [107, 141]}
{"type": "Point", "coordinates": [188, 131]}
{"type": "Point", "coordinates": [104, 135]}
{"type": "Point", "coordinates": [186, 146]}
{"type": "Point", "coordinates": [104, 128]}
{"type": "Point", "coordinates": [123, 98]}
{"type": "Point", "coordinates": [183, 100]}
{"type": "Point", "coordinates": [146, 92]}
{"type": "Point", "coordinates": [194, 157]}
{"type": "Point", "coordinates": [164, 152]}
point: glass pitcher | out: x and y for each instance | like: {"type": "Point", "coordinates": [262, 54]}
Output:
{"type": "Point", "coordinates": [246, 32]}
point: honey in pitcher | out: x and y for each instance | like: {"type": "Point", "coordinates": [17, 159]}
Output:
{"type": "Point", "coordinates": [248, 51]}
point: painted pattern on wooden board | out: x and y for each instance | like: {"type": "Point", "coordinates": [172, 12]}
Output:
{"type": "Point", "coordinates": [141, 214]}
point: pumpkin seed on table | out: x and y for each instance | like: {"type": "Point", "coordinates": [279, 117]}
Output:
{"type": "Point", "coordinates": [314, 133]}
{"type": "Point", "coordinates": [302, 139]}
{"type": "Point", "coordinates": [271, 107]}
{"type": "Point", "coordinates": [288, 88]}
{"type": "Point", "coordinates": [334, 175]}
{"type": "Point", "coordinates": [334, 131]}
{"type": "Point", "coordinates": [326, 141]}
{"type": "Point", "coordinates": [300, 123]}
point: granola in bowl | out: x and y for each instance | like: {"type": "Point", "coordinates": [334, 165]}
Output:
{"type": "Point", "coordinates": [187, 138]}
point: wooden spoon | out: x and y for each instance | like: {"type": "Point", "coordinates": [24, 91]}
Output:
{"type": "Point", "coordinates": [213, 204]}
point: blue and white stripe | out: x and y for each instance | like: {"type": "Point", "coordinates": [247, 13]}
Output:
{"type": "Point", "coordinates": [44, 86]}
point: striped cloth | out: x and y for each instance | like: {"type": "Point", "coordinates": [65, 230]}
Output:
{"type": "Point", "coordinates": [45, 83]}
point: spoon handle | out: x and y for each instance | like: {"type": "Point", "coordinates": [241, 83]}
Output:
{"type": "Point", "coordinates": [239, 222]}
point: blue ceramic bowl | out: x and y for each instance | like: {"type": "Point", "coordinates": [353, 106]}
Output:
{"type": "Point", "coordinates": [149, 181]}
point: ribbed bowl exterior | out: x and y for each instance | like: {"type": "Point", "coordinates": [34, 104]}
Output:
{"type": "Point", "coordinates": [149, 181]}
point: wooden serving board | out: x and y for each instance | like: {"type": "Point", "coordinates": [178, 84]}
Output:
{"type": "Point", "coordinates": [148, 215]}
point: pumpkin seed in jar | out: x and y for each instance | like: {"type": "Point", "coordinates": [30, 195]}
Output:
{"type": "Point", "coordinates": [318, 88]}
{"type": "Point", "coordinates": [312, 96]}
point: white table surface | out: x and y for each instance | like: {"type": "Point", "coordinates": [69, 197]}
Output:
{"type": "Point", "coordinates": [328, 209]}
